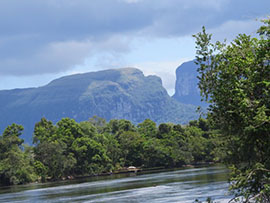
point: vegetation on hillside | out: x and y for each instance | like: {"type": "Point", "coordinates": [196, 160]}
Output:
{"type": "Point", "coordinates": [111, 94]}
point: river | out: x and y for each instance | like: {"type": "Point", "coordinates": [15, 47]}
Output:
{"type": "Point", "coordinates": [184, 185]}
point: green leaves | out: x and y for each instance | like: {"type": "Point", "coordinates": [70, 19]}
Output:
{"type": "Point", "coordinates": [247, 181]}
{"type": "Point", "coordinates": [234, 78]}
{"type": "Point", "coordinates": [15, 164]}
{"type": "Point", "coordinates": [69, 148]}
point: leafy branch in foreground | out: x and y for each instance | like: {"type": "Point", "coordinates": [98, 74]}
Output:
{"type": "Point", "coordinates": [235, 80]}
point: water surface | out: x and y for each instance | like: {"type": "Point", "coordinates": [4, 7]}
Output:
{"type": "Point", "coordinates": [167, 186]}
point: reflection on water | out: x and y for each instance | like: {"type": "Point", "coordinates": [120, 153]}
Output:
{"type": "Point", "coordinates": [168, 186]}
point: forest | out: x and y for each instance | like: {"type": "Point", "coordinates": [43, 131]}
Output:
{"type": "Point", "coordinates": [95, 146]}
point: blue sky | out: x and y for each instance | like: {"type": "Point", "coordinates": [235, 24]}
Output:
{"type": "Point", "coordinates": [43, 40]}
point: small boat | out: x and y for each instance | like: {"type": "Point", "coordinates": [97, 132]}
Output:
{"type": "Point", "coordinates": [133, 169]}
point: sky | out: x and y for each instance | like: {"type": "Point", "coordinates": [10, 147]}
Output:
{"type": "Point", "coordinates": [43, 40]}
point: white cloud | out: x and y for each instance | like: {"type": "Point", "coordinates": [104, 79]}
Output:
{"type": "Point", "coordinates": [52, 36]}
{"type": "Point", "coordinates": [61, 56]}
{"type": "Point", "coordinates": [53, 58]}
{"type": "Point", "coordinates": [230, 29]}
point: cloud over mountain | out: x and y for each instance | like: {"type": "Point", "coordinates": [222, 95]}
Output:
{"type": "Point", "coordinates": [52, 36]}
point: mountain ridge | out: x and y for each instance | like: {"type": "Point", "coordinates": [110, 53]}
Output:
{"type": "Point", "coordinates": [111, 94]}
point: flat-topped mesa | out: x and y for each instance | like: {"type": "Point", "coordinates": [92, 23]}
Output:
{"type": "Point", "coordinates": [111, 94]}
{"type": "Point", "coordinates": [186, 86]}
{"type": "Point", "coordinates": [110, 75]}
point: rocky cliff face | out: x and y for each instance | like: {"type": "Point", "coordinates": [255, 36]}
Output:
{"type": "Point", "coordinates": [110, 94]}
{"type": "Point", "coordinates": [186, 86]}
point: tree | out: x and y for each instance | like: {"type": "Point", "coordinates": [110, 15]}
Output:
{"type": "Point", "coordinates": [119, 126]}
{"type": "Point", "coordinates": [176, 149]}
{"type": "Point", "coordinates": [154, 154]}
{"type": "Point", "coordinates": [88, 129]}
{"type": "Point", "coordinates": [53, 154]}
{"type": "Point", "coordinates": [68, 130]}
{"type": "Point", "coordinates": [147, 128]}
{"type": "Point", "coordinates": [15, 164]}
{"type": "Point", "coordinates": [43, 131]}
{"type": "Point", "coordinates": [112, 149]}
{"type": "Point", "coordinates": [164, 129]}
{"type": "Point", "coordinates": [235, 80]}
{"type": "Point", "coordinates": [91, 156]}
{"type": "Point", "coordinates": [131, 146]}
{"type": "Point", "coordinates": [98, 122]}
{"type": "Point", "coordinates": [55, 162]}
{"type": "Point", "coordinates": [197, 143]}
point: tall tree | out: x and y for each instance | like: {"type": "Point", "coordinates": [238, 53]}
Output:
{"type": "Point", "coordinates": [235, 80]}
{"type": "Point", "coordinates": [15, 164]}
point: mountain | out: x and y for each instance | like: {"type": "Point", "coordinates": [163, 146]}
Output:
{"type": "Point", "coordinates": [186, 85]}
{"type": "Point", "coordinates": [111, 94]}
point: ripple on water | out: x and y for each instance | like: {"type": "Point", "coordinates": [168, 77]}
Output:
{"type": "Point", "coordinates": [171, 186]}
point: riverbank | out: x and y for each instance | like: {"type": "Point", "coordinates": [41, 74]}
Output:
{"type": "Point", "coordinates": [141, 170]}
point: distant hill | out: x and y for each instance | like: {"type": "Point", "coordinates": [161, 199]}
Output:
{"type": "Point", "coordinates": [186, 86]}
{"type": "Point", "coordinates": [111, 94]}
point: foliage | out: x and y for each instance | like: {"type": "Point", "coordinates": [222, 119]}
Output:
{"type": "Point", "coordinates": [15, 164]}
{"type": "Point", "coordinates": [234, 79]}
{"type": "Point", "coordinates": [68, 148]}
{"type": "Point", "coordinates": [52, 156]}
{"type": "Point", "coordinates": [147, 128]}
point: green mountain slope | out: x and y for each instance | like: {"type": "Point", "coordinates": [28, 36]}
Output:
{"type": "Point", "coordinates": [111, 94]}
